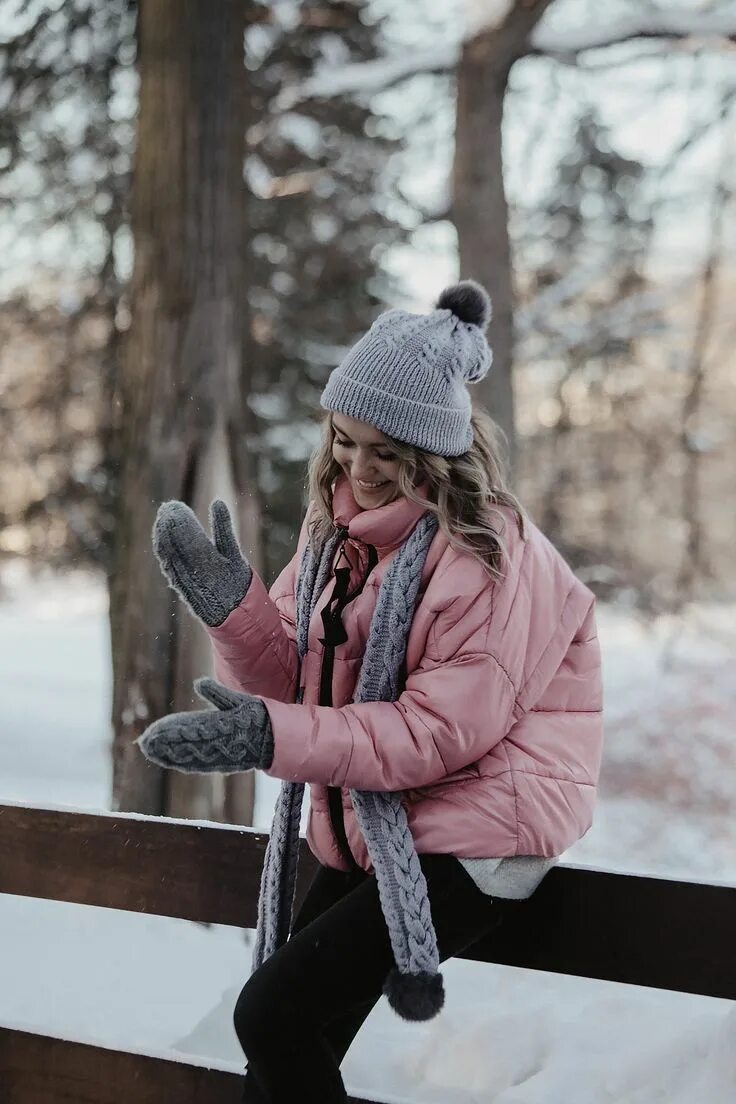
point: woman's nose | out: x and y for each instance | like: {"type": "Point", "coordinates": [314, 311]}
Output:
{"type": "Point", "coordinates": [362, 467]}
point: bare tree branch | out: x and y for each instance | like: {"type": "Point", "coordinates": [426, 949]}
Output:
{"type": "Point", "coordinates": [702, 130]}
{"type": "Point", "coordinates": [717, 28]}
{"type": "Point", "coordinates": [670, 24]}
{"type": "Point", "coordinates": [370, 76]}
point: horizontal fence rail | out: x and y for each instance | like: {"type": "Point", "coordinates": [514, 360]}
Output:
{"type": "Point", "coordinates": [139, 864]}
{"type": "Point", "coordinates": [37, 1070]}
{"type": "Point", "coordinates": [615, 927]}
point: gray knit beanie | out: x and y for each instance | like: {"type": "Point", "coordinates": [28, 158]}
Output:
{"type": "Point", "coordinates": [407, 375]}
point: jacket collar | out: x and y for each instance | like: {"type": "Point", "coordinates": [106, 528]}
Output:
{"type": "Point", "coordinates": [385, 527]}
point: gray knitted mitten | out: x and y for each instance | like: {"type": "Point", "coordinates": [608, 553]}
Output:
{"type": "Point", "coordinates": [211, 578]}
{"type": "Point", "coordinates": [235, 736]}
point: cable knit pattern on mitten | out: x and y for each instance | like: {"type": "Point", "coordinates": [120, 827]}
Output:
{"type": "Point", "coordinates": [210, 576]}
{"type": "Point", "coordinates": [222, 740]}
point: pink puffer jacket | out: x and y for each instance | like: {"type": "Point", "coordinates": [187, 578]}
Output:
{"type": "Point", "coordinates": [496, 738]}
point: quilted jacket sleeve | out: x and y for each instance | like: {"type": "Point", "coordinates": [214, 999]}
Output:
{"type": "Point", "coordinates": [254, 650]}
{"type": "Point", "coordinates": [455, 706]}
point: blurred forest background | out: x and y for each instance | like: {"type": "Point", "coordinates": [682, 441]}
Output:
{"type": "Point", "coordinates": [202, 205]}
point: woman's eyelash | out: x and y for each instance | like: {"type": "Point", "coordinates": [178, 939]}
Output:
{"type": "Point", "coordinates": [387, 456]}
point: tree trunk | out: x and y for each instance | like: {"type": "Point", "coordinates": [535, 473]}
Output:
{"type": "Point", "coordinates": [480, 211]}
{"type": "Point", "coordinates": [181, 387]}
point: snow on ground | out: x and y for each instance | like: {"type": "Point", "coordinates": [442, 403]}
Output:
{"type": "Point", "coordinates": [667, 796]}
{"type": "Point", "coordinates": [505, 1036]}
{"type": "Point", "coordinates": [55, 686]}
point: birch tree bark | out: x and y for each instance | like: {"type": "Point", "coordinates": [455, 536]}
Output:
{"type": "Point", "coordinates": [182, 389]}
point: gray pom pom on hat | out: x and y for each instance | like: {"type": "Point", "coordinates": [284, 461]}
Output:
{"type": "Point", "coordinates": [407, 375]}
{"type": "Point", "coordinates": [469, 301]}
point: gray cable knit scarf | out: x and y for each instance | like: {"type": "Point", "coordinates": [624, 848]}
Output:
{"type": "Point", "coordinates": [414, 987]}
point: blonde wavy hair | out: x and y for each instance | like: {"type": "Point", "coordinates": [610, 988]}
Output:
{"type": "Point", "coordinates": [462, 491]}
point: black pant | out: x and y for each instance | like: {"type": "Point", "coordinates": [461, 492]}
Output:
{"type": "Point", "coordinates": [299, 1012]}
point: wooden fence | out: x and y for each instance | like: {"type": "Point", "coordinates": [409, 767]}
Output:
{"type": "Point", "coordinates": [616, 927]}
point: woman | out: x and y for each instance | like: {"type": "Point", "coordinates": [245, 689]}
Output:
{"type": "Point", "coordinates": [427, 662]}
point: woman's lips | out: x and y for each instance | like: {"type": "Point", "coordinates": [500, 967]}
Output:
{"type": "Point", "coordinates": [368, 490]}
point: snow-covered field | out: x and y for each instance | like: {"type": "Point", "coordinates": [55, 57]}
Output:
{"type": "Point", "coordinates": [505, 1036]}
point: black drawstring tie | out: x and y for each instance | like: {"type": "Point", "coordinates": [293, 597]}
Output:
{"type": "Point", "coordinates": [335, 634]}
{"type": "Point", "coordinates": [332, 612]}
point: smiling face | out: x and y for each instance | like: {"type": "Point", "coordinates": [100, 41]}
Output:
{"type": "Point", "coordinates": [365, 456]}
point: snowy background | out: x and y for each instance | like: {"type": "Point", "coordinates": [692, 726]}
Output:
{"type": "Point", "coordinates": [630, 394]}
{"type": "Point", "coordinates": [506, 1035]}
